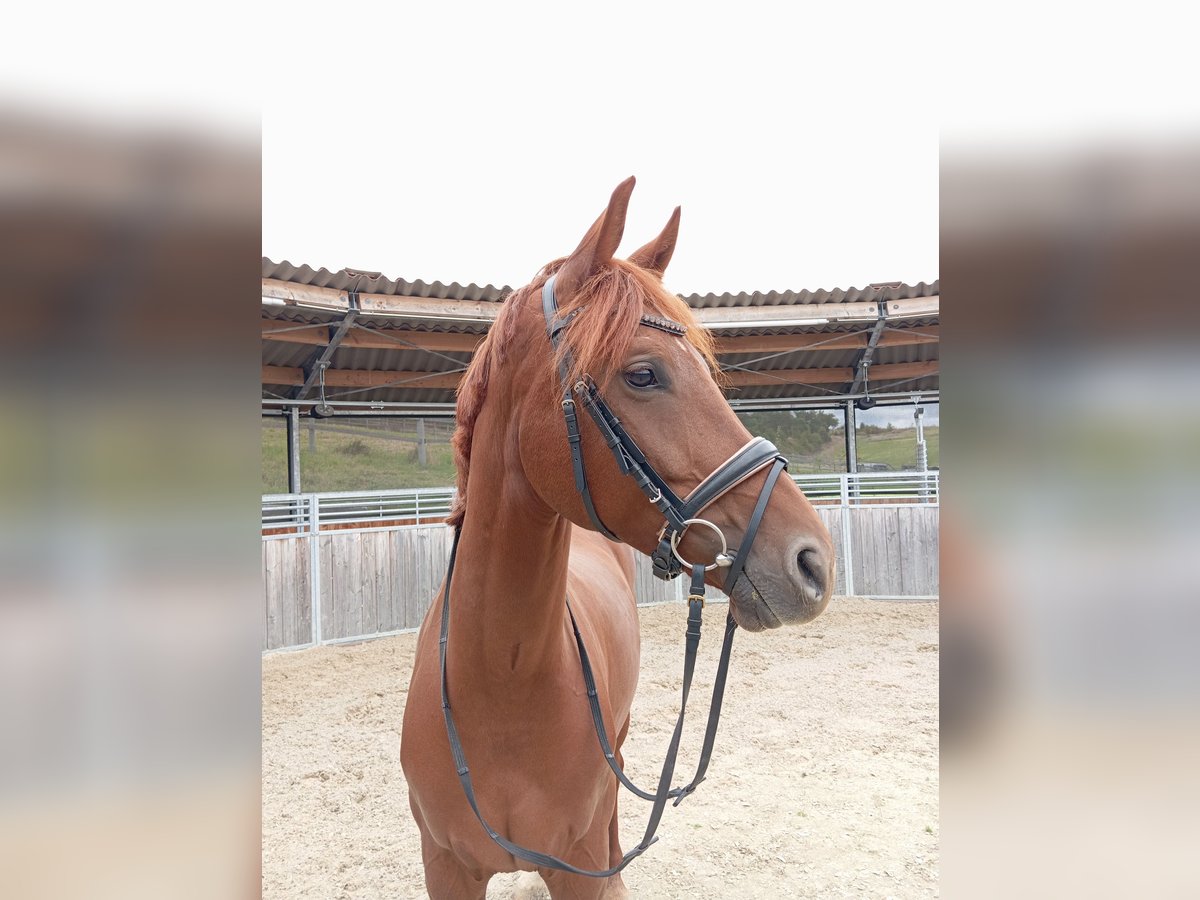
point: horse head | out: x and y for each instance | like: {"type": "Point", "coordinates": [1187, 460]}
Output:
{"type": "Point", "coordinates": [622, 336]}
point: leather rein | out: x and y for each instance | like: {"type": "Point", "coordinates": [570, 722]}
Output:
{"type": "Point", "coordinates": [680, 514]}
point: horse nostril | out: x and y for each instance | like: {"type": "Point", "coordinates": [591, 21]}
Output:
{"type": "Point", "coordinates": [813, 569]}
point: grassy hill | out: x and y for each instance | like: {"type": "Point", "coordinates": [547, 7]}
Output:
{"type": "Point", "coordinates": [355, 459]}
{"type": "Point", "coordinates": [896, 449]}
{"type": "Point", "coordinates": [353, 462]}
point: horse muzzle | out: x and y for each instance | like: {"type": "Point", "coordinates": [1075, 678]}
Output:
{"type": "Point", "coordinates": [797, 592]}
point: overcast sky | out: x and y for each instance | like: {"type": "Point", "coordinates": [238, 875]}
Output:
{"type": "Point", "coordinates": [476, 147]}
{"type": "Point", "coordinates": [473, 142]}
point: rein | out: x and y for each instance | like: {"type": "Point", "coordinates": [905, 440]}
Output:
{"type": "Point", "coordinates": [680, 514]}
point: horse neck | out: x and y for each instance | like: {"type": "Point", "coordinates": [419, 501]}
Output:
{"type": "Point", "coordinates": [509, 586]}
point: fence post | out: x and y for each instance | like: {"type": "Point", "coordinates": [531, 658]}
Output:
{"type": "Point", "coordinates": [851, 436]}
{"type": "Point", "coordinates": [314, 565]}
{"type": "Point", "coordinates": [847, 535]}
{"type": "Point", "coordinates": [422, 453]}
{"type": "Point", "coordinates": [293, 450]}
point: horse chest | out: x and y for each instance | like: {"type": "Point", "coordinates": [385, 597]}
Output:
{"type": "Point", "coordinates": [532, 754]}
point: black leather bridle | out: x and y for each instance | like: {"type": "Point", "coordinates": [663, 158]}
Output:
{"type": "Point", "coordinates": [680, 514]}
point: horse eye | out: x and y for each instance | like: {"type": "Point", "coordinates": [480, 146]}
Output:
{"type": "Point", "coordinates": [642, 377]}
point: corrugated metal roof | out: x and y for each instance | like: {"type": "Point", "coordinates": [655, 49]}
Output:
{"type": "Point", "coordinates": [810, 358]}
{"type": "Point", "coordinates": [787, 389]}
{"type": "Point", "coordinates": [828, 328]}
{"type": "Point", "coordinates": [283, 353]}
{"type": "Point", "coordinates": [869, 294]}
{"type": "Point", "coordinates": [376, 283]}
{"type": "Point", "coordinates": [304, 315]}
{"type": "Point", "coordinates": [402, 359]}
{"type": "Point", "coordinates": [407, 359]}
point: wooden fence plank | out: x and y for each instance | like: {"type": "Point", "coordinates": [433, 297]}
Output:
{"type": "Point", "coordinates": [933, 550]}
{"type": "Point", "coordinates": [346, 601]}
{"type": "Point", "coordinates": [887, 537]}
{"type": "Point", "coordinates": [337, 586]}
{"type": "Point", "coordinates": [411, 570]}
{"type": "Point", "coordinates": [287, 590]}
{"type": "Point", "coordinates": [366, 586]}
{"type": "Point", "coordinates": [861, 550]}
{"type": "Point", "coordinates": [301, 601]}
{"type": "Point", "coordinates": [325, 548]}
{"type": "Point", "coordinates": [869, 567]}
{"type": "Point", "coordinates": [910, 561]}
{"type": "Point", "coordinates": [431, 558]}
{"type": "Point", "coordinates": [354, 599]}
{"type": "Point", "coordinates": [392, 609]}
{"type": "Point", "coordinates": [285, 593]}
{"type": "Point", "coordinates": [890, 534]}
{"type": "Point", "coordinates": [831, 517]}
{"type": "Point", "coordinates": [266, 596]}
{"type": "Point", "coordinates": [370, 584]}
{"type": "Point", "coordinates": [385, 609]}
{"type": "Point", "coordinates": [440, 542]}
{"type": "Point", "coordinates": [383, 580]}
{"type": "Point", "coordinates": [270, 591]}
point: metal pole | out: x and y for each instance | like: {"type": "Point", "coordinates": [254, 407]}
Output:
{"type": "Point", "coordinates": [314, 371]}
{"type": "Point", "coordinates": [922, 453]}
{"type": "Point", "coordinates": [293, 443]}
{"type": "Point", "coordinates": [851, 442]}
{"type": "Point", "coordinates": [314, 563]}
{"type": "Point", "coordinates": [422, 455]}
{"type": "Point", "coordinates": [847, 537]}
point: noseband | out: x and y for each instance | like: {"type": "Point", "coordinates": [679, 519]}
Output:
{"type": "Point", "coordinates": [680, 514]}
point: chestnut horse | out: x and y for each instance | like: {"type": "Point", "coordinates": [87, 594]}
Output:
{"type": "Point", "coordinates": [526, 541]}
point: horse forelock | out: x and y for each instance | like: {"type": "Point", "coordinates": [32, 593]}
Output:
{"type": "Point", "coordinates": [608, 311]}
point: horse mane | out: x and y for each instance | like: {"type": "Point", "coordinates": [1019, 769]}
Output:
{"type": "Point", "coordinates": [609, 306]}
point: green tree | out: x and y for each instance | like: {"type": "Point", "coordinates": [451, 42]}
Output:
{"type": "Point", "coordinates": [795, 432]}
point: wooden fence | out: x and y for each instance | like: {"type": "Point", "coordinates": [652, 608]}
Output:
{"type": "Point", "coordinates": [367, 582]}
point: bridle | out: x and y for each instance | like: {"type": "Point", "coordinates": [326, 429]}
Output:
{"type": "Point", "coordinates": [680, 514]}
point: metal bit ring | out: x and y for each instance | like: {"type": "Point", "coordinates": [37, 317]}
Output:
{"type": "Point", "coordinates": [722, 559]}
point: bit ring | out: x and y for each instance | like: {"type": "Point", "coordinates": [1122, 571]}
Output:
{"type": "Point", "coordinates": [722, 557]}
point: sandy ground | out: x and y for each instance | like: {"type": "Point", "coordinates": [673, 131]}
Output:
{"type": "Point", "coordinates": [824, 781]}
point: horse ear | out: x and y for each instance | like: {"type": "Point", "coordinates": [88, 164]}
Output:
{"type": "Point", "coordinates": [656, 254]}
{"type": "Point", "coordinates": [598, 246]}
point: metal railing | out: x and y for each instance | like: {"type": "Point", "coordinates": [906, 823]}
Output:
{"type": "Point", "coordinates": [299, 530]}
{"type": "Point", "coordinates": [284, 514]}
{"type": "Point", "coordinates": [292, 514]}
{"type": "Point", "coordinates": [287, 513]}
{"type": "Point", "coordinates": [863, 488]}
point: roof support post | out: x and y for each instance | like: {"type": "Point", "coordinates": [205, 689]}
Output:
{"type": "Point", "coordinates": [851, 437]}
{"type": "Point", "coordinates": [863, 365]}
{"type": "Point", "coordinates": [293, 450]}
{"type": "Point", "coordinates": [320, 360]}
